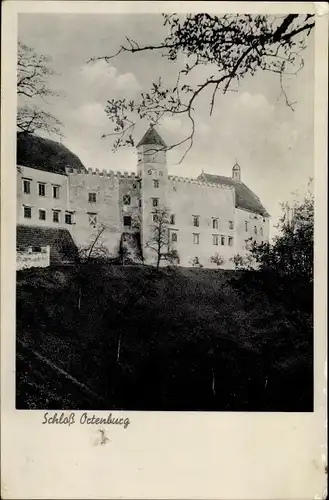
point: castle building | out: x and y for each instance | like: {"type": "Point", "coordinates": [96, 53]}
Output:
{"type": "Point", "coordinates": [58, 199]}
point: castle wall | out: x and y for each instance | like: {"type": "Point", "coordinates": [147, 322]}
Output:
{"type": "Point", "coordinates": [36, 202]}
{"type": "Point", "coordinates": [192, 198]}
{"type": "Point", "coordinates": [94, 201]}
{"type": "Point", "coordinates": [250, 225]}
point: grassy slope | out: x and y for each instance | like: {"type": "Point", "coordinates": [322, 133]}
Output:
{"type": "Point", "coordinates": [189, 339]}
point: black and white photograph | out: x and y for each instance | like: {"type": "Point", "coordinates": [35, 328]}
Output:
{"type": "Point", "coordinates": [165, 201]}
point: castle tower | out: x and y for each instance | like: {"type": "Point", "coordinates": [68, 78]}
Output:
{"type": "Point", "coordinates": [153, 174]}
{"type": "Point", "coordinates": [236, 172]}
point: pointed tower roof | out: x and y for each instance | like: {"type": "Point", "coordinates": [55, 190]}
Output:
{"type": "Point", "coordinates": [152, 137]}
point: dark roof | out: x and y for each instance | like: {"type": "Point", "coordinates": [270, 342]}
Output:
{"type": "Point", "coordinates": [152, 137]}
{"type": "Point", "coordinates": [44, 154]}
{"type": "Point", "coordinates": [62, 246]}
{"type": "Point", "coordinates": [244, 197]}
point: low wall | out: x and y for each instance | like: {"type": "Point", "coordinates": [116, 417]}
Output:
{"type": "Point", "coordinates": [32, 257]}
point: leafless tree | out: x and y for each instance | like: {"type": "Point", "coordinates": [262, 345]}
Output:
{"type": "Point", "coordinates": [33, 73]}
{"type": "Point", "coordinates": [158, 240]}
{"type": "Point", "coordinates": [96, 250]}
{"type": "Point", "coordinates": [233, 45]}
{"type": "Point", "coordinates": [217, 259]}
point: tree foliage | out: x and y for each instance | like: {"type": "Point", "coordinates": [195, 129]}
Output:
{"type": "Point", "coordinates": [233, 45]}
{"type": "Point", "coordinates": [291, 252]}
{"type": "Point", "coordinates": [33, 73]}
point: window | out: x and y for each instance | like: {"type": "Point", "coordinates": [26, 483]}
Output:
{"type": "Point", "coordinates": [155, 218]}
{"type": "Point", "coordinates": [172, 219]}
{"type": "Point", "coordinates": [56, 215]}
{"type": "Point", "coordinates": [246, 226]}
{"type": "Point", "coordinates": [68, 218]}
{"type": "Point", "coordinates": [155, 202]}
{"type": "Point", "coordinates": [26, 186]}
{"type": "Point", "coordinates": [149, 171]}
{"type": "Point", "coordinates": [215, 224]}
{"type": "Point", "coordinates": [173, 236]}
{"type": "Point", "coordinates": [42, 189]}
{"type": "Point", "coordinates": [196, 220]}
{"type": "Point", "coordinates": [55, 191]}
{"type": "Point", "coordinates": [255, 229]}
{"type": "Point", "coordinates": [196, 238]}
{"type": "Point", "coordinates": [222, 240]}
{"type": "Point", "coordinates": [42, 214]}
{"type": "Point", "coordinates": [215, 239]}
{"type": "Point", "coordinates": [261, 231]}
{"type": "Point", "coordinates": [92, 219]}
{"type": "Point", "coordinates": [27, 212]}
{"type": "Point", "coordinates": [139, 203]}
{"type": "Point", "coordinates": [92, 197]}
{"type": "Point", "coordinates": [160, 173]}
{"type": "Point", "coordinates": [230, 224]}
{"type": "Point", "coordinates": [230, 241]}
{"type": "Point", "coordinates": [126, 199]}
{"type": "Point", "coordinates": [156, 183]}
{"type": "Point", "coordinates": [127, 220]}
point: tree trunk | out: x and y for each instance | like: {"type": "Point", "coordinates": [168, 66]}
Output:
{"type": "Point", "coordinates": [119, 349]}
{"type": "Point", "coordinates": [79, 297]}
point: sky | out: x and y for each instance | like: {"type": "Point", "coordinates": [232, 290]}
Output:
{"type": "Point", "coordinates": [272, 144]}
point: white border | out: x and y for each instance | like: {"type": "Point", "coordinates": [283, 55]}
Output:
{"type": "Point", "coordinates": [161, 455]}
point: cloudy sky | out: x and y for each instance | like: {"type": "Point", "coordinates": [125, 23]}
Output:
{"type": "Point", "coordinates": [272, 143]}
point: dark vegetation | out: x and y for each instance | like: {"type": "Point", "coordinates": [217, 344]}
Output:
{"type": "Point", "coordinates": [173, 339]}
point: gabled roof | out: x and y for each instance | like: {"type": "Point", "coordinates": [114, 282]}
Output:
{"type": "Point", "coordinates": [244, 197]}
{"type": "Point", "coordinates": [44, 154]}
{"type": "Point", "coordinates": [62, 246]}
{"type": "Point", "coordinates": [152, 137]}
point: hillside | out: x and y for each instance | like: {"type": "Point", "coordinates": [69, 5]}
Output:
{"type": "Point", "coordinates": [179, 339]}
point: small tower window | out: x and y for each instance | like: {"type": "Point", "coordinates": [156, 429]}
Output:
{"type": "Point", "coordinates": [255, 229]}
{"type": "Point", "coordinates": [155, 202]}
{"type": "Point", "coordinates": [156, 183]}
{"type": "Point", "coordinates": [126, 199]}
{"type": "Point", "coordinates": [246, 226]}
{"type": "Point", "coordinates": [92, 197]}
{"type": "Point", "coordinates": [231, 224]}
{"type": "Point", "coordinates": [172, 219]}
